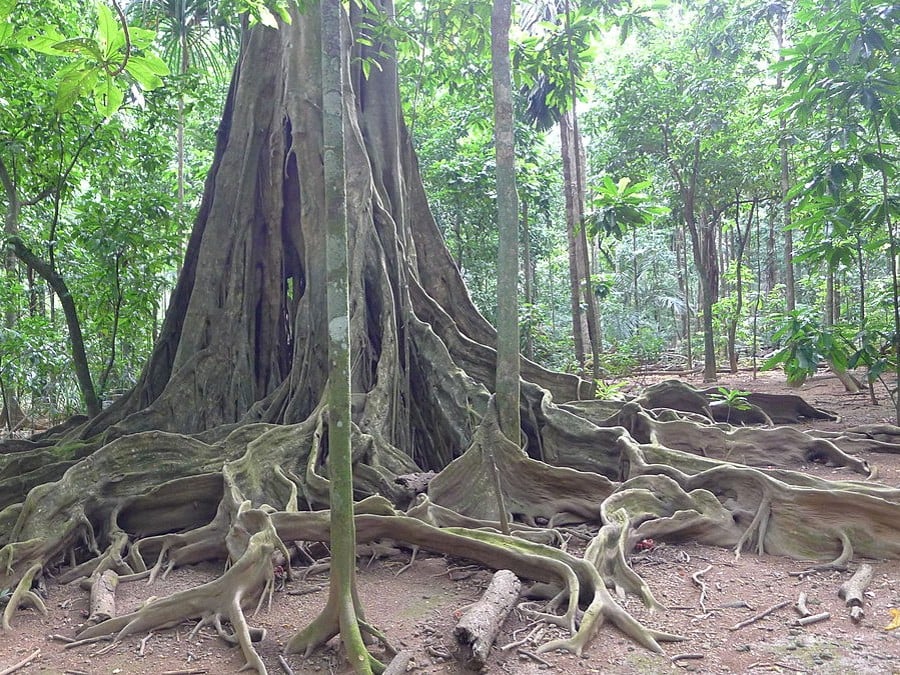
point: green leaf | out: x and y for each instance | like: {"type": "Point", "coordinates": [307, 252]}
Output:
{"type": "Point", "coordinates": [781, 356]}
{"type": "Point", "coordinates": [6, 33]}
{"type": "Point", "coordinates": [42, 40]}
{"type": "Point", "coordinates": [875, 161]}
{"type": "Point", "coordinates": [143, 73]}
{"type": "Point", "coordinates": [154, 63]}
{"type": "Point", "coordinates": [894, 122]}
{"type": "Point", "coordinates": [80, 46]}
{"type": "Point", "coordinates": [141, 38]}
{"type": "Point", "coordinates": [109, 30]}
{"type": "Point", "coordinates": [72, 85]}
{"type": "Point", "coordinates": [108, 96]}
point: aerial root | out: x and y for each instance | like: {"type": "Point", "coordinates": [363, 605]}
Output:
{"type": "Point", "coordinates": [759, 525]}
{"type": "Point", "coordinates": [23, 595]}
{"type": "Point", "coordinates": [608, 552]}
{"type": "Point", "coordinates": [840, 563]}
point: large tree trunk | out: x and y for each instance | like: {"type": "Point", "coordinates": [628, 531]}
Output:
{"type": "Point", "coordinates": [222, 443]}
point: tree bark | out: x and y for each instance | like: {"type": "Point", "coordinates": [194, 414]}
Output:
{"type": "Point", "coordinates": [507, 380]}
{"type": "Point", "coordinates": [577, 254]}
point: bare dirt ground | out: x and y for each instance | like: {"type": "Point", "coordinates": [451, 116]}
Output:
{"type": "Point", "coordinates": [418, 608]}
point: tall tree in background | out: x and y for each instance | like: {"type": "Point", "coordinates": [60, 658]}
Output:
{"type": "Point", "coordinates": [777, 15]}
{"type": "Point", "coordinates": [555, 61]}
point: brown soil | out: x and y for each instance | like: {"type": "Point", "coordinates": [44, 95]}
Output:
{"type": "Point", "coordinates": [418, 607]}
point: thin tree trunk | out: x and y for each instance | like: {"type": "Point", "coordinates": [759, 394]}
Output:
{"type": "Point", "coordinates": [786, 202]}
{"type": "Point", "coordinates": [741, 245]}
{"type": "Point", "coordinates": [528, 266]}
{"type": "Point", "coordinates": [76, 339]}
{"type": "Point", "coordinates": [576, 256]}
{"type": "Point", "coordinates": [770, 251]}
{"type": "Point", "coordinates": [342, 586]}
{"type": "Point", "coordinates": [507, 379]}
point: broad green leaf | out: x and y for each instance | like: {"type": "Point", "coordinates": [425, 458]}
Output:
{"type": "Point", "coordinates": [283, 12]}
{"type": "Point", "coordinates": [894, 121]}
{"type": "Point", "coordinates": [143, 74]}
{"type": "Point", "coordinates": [72, 85]}
{"type": "Point", "coordinates": [108, 96]}
{"type": "Point", "coordinates": [42, 40]}
{"type": "Point", "coordinates": [6, 33]}
{"type": "Point", "coordinates": [154, 63]}
{"type": "Point", "coordinates": [6, 8]}
{"type": "Point", "coordinates": [141, 38]}
{"type": "Point", "coordinates": [875, 161]}
{"type": "Point", "coordinates": [80, 46]}
{"type": "Point", "coordinates": [781, 356]}
{"type": "Point", "coordinates": [109, 30]}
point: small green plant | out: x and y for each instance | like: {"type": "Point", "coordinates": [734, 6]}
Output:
{"type": "Point", "coordinates": [806, 343]}
{"type": "Point", "coordinates": [610, 391]}
{"type": "Point", "coordinates": [733, 399]}
{"type": "Point", "coordinates": [618, 363]}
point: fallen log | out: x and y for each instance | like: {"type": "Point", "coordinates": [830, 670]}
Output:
{"type": "Point", "coordinates": [477, 629]}
{"type": "Point", "coordinates": [103, 597]}
{"type": "Point", "coordinates": [852, 591]}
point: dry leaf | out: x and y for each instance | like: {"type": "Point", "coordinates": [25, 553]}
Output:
{"type": "Point", "coordinates": [895, 619]}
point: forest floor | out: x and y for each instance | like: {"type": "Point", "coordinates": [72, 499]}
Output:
{"type": "Point", "coordinates": [418, 608]}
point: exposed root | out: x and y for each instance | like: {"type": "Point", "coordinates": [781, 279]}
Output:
{"type": "Point", "coordinates": [756, 528]}
{"type": "Point", "coordinates": [247, 582]}
{"type": "Point", "coordinates": [23, 595]}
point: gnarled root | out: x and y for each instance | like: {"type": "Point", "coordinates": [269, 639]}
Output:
{"type": "Point", "coordinates": [249, 580]}
{"type": "Point", "coordinates": [23, 595]}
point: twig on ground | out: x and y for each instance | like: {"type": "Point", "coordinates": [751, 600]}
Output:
{"type": "Point", "coordinates": [687, 657]}
{"type": "Point", "coordinates": [144, 643]}
{"type": "Point", "coordinates": [519, 643]}
{"type": "Point", "coordinates": [88, 641]}
{"type": "Point", "coordinates": [62, 638]}
{"type": "Point", "coordinates": [800, 607]}
{"type": "Point", "coordinates": [21, 664]}
{"type": "Point", "coordinates": [306, 591]}
{"type": "Point", "coordinates": [285, 666]}
{"type": "Point", "coordinates": [775, 664]}
{"type": "Point", "coordinates": [812, 618]}
{"type": "Point", "coordinates": [699, 583]}
{"type": "Point", "coordinates": [761, 615]}
{"type": "Point", "coordinates": [196, 671]}
{"type": "Point", "coordinates": [534, 657]}
{"type": "Point", "coordinates": [108, 648]}
{"type": "Point", "coordinates": [412, 559]}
